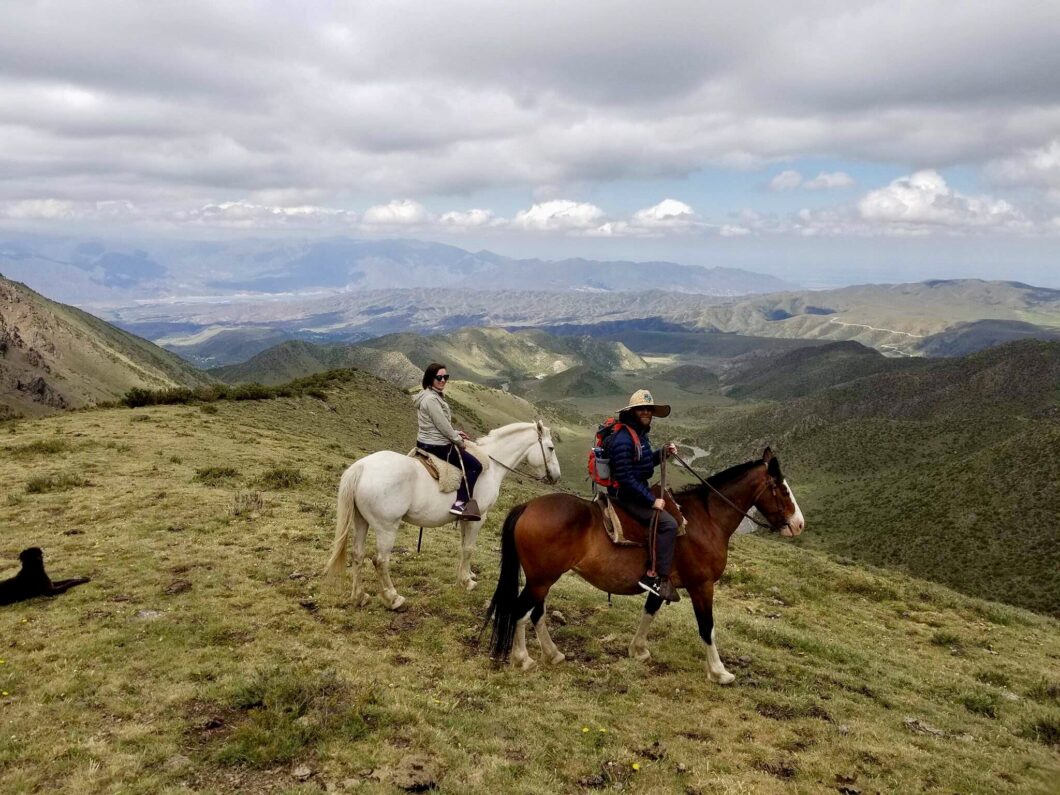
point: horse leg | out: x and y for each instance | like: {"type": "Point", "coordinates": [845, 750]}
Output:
{"type": "Point", "coordinates": [384, 543]}
{"type": "Point", "coordinates": [531, 606]}
{"type": "Point", "coordinates": [360, 536]}
{"type": "Point", "coordinates": [703, 604]}
{"type": "Point", "coordinates": [548, 648]}
{"type": "Point", "coordinates": [468, 535]}
{"type": "Point", "coordinates": [638, 647]}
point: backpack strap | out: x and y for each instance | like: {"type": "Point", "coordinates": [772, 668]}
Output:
{"type": "Point", "coordinates": [633, 435]}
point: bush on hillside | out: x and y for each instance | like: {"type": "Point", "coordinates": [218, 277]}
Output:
{"type": "Point", "coordinates": [310, 386]}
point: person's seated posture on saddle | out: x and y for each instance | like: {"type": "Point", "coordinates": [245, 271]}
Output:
{"type": "Point", "coordinates": [632, 468]}
{"type": "Point", "coordinates": [438, 436]}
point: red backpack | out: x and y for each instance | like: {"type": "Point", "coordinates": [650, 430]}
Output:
{"type": "Point", "coordinates": [600, 454]}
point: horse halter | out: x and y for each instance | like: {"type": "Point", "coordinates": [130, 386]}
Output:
{"type": "Point", "coordinates": [544, 459]}
{"type": "Point", "coordinates": [768, 525]}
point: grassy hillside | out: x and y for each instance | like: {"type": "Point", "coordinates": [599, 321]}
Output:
{"type": "Point", "coordinates": [947, 470]}
{"type": "Point", "coordinates": [54, 356]}
{"type": "Point", "coordinates": [296, 359]}
{"type": "Point", "coordinates": [204, 655]}
{"type": "Point", "coordinates": [804, 371]}
{"type": "Point", "coordinates": [484, 355]}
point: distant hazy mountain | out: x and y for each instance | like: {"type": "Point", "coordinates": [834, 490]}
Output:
{"type": "Point", "coordinates": [897, 319]}
{"type": "Point", "coordinates": [97, 272]}
{"type": "Point", "coordinates": [54, 357]}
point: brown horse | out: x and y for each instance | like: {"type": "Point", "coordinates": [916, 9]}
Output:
{"type": "Point", "coordinates": [557, 533]}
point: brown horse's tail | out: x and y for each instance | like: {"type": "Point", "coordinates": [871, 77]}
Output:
{"type": "Point", "coordinates": [502, 609]}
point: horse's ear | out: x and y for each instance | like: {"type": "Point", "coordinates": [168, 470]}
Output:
{"type": "Point", "coordinates": [540, 426]}
{"type": "Point", "coordinates": [767, 455]}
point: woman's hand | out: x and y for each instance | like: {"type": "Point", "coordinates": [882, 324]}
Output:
{"type": "Point", "coordinates": [660, 504]}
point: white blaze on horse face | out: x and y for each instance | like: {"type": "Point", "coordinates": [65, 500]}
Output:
{"type": "Point", "coordinates": [797, 522]}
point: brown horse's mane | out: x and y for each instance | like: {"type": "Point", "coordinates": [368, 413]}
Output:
{"type": "Point", "coordinates": [728, 475]}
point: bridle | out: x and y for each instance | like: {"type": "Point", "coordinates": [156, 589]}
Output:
{"type": "Point", "coordinates": [544, 458]}
{"type": "Point", "coordinates": [770, 483]}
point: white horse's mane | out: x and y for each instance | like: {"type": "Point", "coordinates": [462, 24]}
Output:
{"type": "Point", "coordinates": [506, 430]}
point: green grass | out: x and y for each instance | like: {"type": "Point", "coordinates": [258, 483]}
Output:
{"type": "Point", "coordinates": [126, 685]}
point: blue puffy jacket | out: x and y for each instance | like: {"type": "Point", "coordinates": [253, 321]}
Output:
{"type": "Point", "coordinates": [632, 473]}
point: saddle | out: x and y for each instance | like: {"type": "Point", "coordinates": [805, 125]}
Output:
{"type": "Point", "coordinates": [448, 475]}
{"type": "Point", "coordinates": [626, 531]}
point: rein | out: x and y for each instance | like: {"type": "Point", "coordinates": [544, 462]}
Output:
{"type": "Point", "coordinates": [730, 503]}
{"type": "Point", "coordinates": [547, 479]}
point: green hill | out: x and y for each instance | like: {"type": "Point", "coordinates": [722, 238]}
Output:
{"type": "Point", "coordinates": [581, 381]}
{"type": "Point", "coordinates": [54, 356]}
{"type": "Point", "coordinates": [205, 656]}
{"type": "Point", "coordinates": [806, 370]}
{"type": "Point", "coordinates": [297, 359]}
{"type": "Point", "coordinates": [947, 469]}
{"type": "Point", "coordinates": [485, 355]}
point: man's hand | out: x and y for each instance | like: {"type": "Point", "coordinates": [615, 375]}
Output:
{"type": "Point", "coordinates": [670, 448]}
{"type": "Point", "coordinates": [660, 504]}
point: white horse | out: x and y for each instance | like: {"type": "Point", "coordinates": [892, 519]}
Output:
{"type": "Point", "coordinates": [384, 488]}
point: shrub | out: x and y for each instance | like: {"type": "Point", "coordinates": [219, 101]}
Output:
{"type": "Point", "coordinates": [995, 678]}
{"type": "Point", "coordinates": [247, 502]}
{"type": "Point", "coordinates": [982, 702]}
{"type": "Point", "coordinates": [42, 485]}
{"type": "Point", "coordinates": [1043, 730]}
{"type": "Point", "coordinates": [945, 639]}
{"type": "Point", "coordinates": [40, 447]}
{"type": "Point", "coordinates": [281, 477]}
{"type": "Point", "coordinates": [212, 476]}
{"type": "Point", "coordinates": [208, 408]}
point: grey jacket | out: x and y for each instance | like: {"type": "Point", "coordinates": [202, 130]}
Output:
{"type": "Point", "coordinates": [435, 419]}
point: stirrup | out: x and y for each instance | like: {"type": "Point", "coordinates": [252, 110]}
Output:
{"type": "Point", "coordinates": [649, 584]}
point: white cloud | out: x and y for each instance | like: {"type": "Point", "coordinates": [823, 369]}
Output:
{"type": "Point", "coordinates": [467, 219]}
{"type": "Point", "coordinates": [924, 199]}
{"type": "Point", "coordinates": [830, 181]}
{"type": "Point", "coordinates": [667, 213]}
{"type": "Point", "coordinates": [785, 180]}
{"type": "Point", "coordinates": [558, 215]}
{"type": "Point", "coordinates": [731, 230]}
{"type": "Point", "coordinates": [400, 212]}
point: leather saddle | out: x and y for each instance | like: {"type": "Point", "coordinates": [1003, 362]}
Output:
{"type": "Point", "coordinates": [625, 530]}
{"type": "Point", "coordinates": [448, 475]}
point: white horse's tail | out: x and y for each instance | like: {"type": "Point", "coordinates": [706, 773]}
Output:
{"type": "Point", "coordinates": [346, 517]}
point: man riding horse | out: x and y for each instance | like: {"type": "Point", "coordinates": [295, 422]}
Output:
{"type": "Point", "coordinates": [632, 463]}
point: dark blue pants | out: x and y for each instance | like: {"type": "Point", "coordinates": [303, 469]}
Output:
{"type": "Point", "coordinates": [664, 541]}
{"type": "Point", "coordinates": [453, 454]}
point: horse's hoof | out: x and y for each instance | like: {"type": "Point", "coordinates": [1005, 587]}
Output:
{"type": "Point", "coordinates": [526, 664]}
{"type": "Point", "coordinates": [361, 599]}
{"type": "Point", "coordinates": [641, 655]}
{"type": "Point", "coordinates": [470, 585]}
{"type": "Point", "coordinates": [723, 678]}
{"type": "Point", "coordinates": [397, 603]}
{"type": "Point", "coordinates": [557, 658]}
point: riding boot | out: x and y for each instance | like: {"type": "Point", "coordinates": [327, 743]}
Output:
{"type": "Point", "coordinates": [667, 591]}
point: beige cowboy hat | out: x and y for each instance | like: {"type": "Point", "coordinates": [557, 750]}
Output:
{"type": "Point", "coordinates": [642, 398]}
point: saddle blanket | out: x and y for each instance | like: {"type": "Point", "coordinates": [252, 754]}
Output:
{"type": "Point", "coordinates": [448, 475]}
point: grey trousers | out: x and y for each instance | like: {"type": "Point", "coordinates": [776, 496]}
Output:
{"type": "Point", "coordinates": [667, 536]}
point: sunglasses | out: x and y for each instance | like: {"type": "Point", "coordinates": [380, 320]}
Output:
{"type": "Point", "coordinates": [441, 378]}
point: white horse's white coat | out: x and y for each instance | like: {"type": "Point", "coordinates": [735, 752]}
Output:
{"type": "Point", "coordinates": [383, 489]}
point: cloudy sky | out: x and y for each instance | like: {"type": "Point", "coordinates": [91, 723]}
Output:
{"type": "Point", "coordinates": [826, 142]}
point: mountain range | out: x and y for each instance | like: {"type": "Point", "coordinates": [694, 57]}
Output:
{"type": "Point", "coordinates": [899, 320]}
{"type": "Point", "coordinates": [97, 273]}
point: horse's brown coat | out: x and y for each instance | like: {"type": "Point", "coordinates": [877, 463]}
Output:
{"type": "Point", "coordinates": [557, 533]}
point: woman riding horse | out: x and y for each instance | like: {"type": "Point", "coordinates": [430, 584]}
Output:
{"type": "Point", "coordinates": [438, 437]}
{"type": "Point", "coordinates": [632, 464]}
